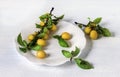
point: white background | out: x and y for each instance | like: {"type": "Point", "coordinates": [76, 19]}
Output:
{"type": "Point", "coordinates": [18, 14]}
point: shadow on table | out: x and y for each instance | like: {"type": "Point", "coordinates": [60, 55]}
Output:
{"type": "Point", "coordinates": [67, 64]}
{"type": "Point", "coordinates": [87, 49]}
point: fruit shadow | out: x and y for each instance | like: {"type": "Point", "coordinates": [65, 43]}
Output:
{"type": "Point", "coordinates": [85, 52]}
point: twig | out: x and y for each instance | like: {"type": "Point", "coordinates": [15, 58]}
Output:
{"type": "Point", "coordinates": [80, 24]}
{"type": "Point", "coordinates": [51, 10]}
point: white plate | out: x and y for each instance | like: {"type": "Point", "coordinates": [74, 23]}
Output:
{"type": "Point", "coordinates": [53, 49]}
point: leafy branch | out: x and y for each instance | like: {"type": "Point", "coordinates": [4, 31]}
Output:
{"type": "Point", "coordinates": [61, 41]}
{"type": "Point", "coordinates": [94, 25]}
{"type": "Point", "coordinates": [80, 62]}
{"type": "Point", "coordinates": [24, 46]}
{"type": "Point", "coordinates": [48, 20]}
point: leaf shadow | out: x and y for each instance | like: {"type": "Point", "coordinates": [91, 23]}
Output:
{"type": "Point", "coordinates": [68, 64]}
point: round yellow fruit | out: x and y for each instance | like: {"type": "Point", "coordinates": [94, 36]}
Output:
{"type": "Point", "coordinates": [66, 36]}
{"type": "Point", "coordinates": [41, 42]}
{"type": "Point", "coordinates": [41, 54]}
{"type": "Point", "coordinates": [93, 34]}
{"type": "Point", "coordinates": [30, 37]}
{"type": "Point", "coordinates": [42, 23]}
{"type": "Point", "coordinates": [35, 33]}
{"type": "Point", "coordinates": [87, 30]}
{"type": "Point", "coordinates": [46, 37]}
{"type": "Point", "coordinates": [54, 27]}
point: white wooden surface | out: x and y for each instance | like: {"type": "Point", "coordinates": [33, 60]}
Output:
{"type": "Point", "coordinates": [17, 14]}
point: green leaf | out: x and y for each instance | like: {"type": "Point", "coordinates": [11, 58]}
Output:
{"type": "Point", "coordinates": [38, 26]}
{"type": "Point", "coordinates": [83, 64]}
{"type": "Point", "coordinates": [58, 18]}
{"type": "Point", "coordinates": [56, 36]}
{"type": "Point", "coordinates": [55, 21]}
{"type": "Point", "coordinates": [49, 23]}
{"type": "Point", "coordinates": [25, 43]}
{"type": "Point", "coordinates": [63, 43]}
{"type": "Point", "coordinates": [23, 49]}
{"type": "Point", "coordinates": [89, 19]}
{"type": "Point", "coordinates": [41, 35]}
{"type": "Point", "coordinates": [97, 20]}
{"type": "Point", "coordinates": [80, 26]}
{"type": "Point", "coordinates": [67, 54]}
{"type": "Point", "coordinates": [106, 32]}
{"type": "Point", "coordinates": [19, 40]}
{"type": "Point", "coordinates": [37, 48]}
{"type": "Point", "coordinates": [98, 29]}
{"type": "Point", "coordinates": [77, 61]}
{"type": "Point", "coordinates": [43, 17]}
{"type": "Point", "coordinates": [45, 30]}
{"type": "Point", "coordinates": [76, 52]}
